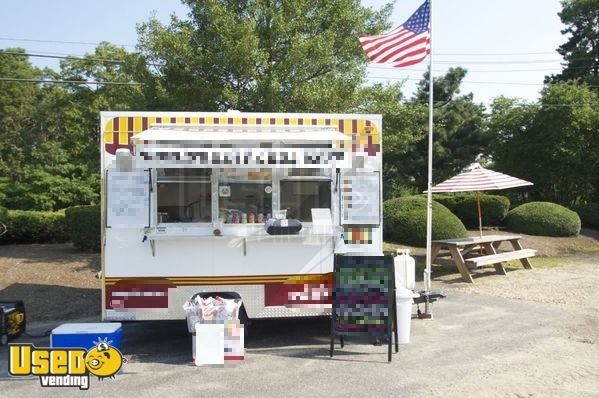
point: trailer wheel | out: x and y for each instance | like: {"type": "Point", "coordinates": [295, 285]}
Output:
{"type": "Point", "coordinates": [245, 321]}
{"type": "Point", "coordinates": [4, 339]}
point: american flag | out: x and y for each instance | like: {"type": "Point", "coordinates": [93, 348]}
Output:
{"type": "Point", "coordinates": [406, 45]}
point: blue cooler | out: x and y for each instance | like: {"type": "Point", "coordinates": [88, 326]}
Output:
{"type": "Point", "coordinates": [86, 335]}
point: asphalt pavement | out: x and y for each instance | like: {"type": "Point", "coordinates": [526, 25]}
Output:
{"type": "Point", "coordinates": [475, 346]}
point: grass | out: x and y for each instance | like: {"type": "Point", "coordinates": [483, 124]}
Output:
{"type": "Point", "coordinates": [538, 262]}
{"type": "Point", "coordinates": [577, 248]}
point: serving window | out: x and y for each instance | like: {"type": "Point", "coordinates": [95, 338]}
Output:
{"type": "Point", "coordinates": [184, 195]}
{"type": "Point", "coordinates": [245, 195]}
{"type": "Point", "coordinates": [303, 190]}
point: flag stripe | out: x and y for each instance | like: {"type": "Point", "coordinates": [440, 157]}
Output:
{"type": "Point", "coordinates": [405, 45]}
{"type": "Point", "coordinates": [397, 54]}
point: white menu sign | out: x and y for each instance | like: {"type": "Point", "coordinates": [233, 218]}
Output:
{"type": "Point", "coordinates": [361, 199]}
{"type": "Point", "coordinates": [128, 203]}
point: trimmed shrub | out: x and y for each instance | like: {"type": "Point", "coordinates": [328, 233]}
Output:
{"type": "Point", "coordinates": [84, 226]}
{"type": "Point", "coordinates": [405, 221]}
{"type": "Point", "coordinates": [24, 226]}
{"type": "Point", "coordinates": [588, 213]}
{"type": "Point", "coordinates": [493, 208]}
{"type": "Point", "coordinates": [543, 218]}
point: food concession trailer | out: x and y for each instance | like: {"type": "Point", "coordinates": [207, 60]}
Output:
{"type": "Point", "coordinates": [185, 199]}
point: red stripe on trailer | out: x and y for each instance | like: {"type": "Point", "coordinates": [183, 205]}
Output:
{"type": "Point", "coordinates": [122, 296]}
{"type": "Point", "coordinates": [291, 295]}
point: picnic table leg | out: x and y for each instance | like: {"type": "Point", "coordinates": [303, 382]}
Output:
{"type": "Point", "coordinates": [498, 266]}
{"type": "Point", "coordinates": [459, 261]}
{"type": "Point", "coordinates": [517, 246]}
{"type": "Point", "coordinates": [435, 252]}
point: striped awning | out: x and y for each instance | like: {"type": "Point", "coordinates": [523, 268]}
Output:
{"type": "Point", "coordinates": [477, 178]}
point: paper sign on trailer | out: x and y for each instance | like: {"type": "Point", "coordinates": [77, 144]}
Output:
{"type": "Point", "coordinates": [186, 196]}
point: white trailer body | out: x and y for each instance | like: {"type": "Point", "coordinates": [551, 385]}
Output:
{"type": "Point", "coordinates": [185, 196]}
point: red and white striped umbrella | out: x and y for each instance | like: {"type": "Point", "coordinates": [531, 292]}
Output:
{"type": "Point", "coordinates": [476, 178]}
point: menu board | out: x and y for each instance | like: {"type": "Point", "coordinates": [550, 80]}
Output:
{"type": "Point", "coordinates": [364, 298]}
{"type": "Point", "coordinates": [361, 199]}
{"type": "Point", "coordinates": [128, 199]}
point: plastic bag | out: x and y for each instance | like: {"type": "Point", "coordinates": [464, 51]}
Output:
{"type": "Point", "coordinates": [210, 310]}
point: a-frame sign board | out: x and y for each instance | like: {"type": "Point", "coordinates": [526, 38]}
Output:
{"type": "Point", "coordinates": [364, 299]}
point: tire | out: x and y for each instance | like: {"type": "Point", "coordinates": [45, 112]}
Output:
{"type": "Point", "coordinates": [245, 321]}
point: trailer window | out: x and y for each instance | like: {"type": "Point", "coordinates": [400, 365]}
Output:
{"type": "Point", "coordinates": [299, 197]}
{"type": "Point", "coordinates": [184, 195]}
{"type": "Point", "coordinates": [245, 195]}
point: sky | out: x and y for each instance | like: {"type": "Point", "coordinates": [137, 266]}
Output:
{"type": "Point", "coordinates": [507, 46]}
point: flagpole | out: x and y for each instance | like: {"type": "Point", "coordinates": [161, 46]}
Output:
{"type": "Point", "coordinates": [429, 196]}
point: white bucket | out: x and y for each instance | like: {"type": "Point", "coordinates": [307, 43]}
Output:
{"type": "Point", "coordinates": [404, 299]}
{"type": "Point", "coordinates": [405, 270]}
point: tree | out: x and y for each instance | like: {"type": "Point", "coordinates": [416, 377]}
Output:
{"type": "Point", "coordinates": [581, 51]}
{"type": "Point", "coordinates": [403, 128]}
{"type": "Point", "coordinates": [459, 130]}
{"type": "Point", "coordinates": [17, 109]}
{"type": "Point", "coordinates": [262, 55]}
{"type": "Point", "coordinates": [554, 144]}
{"type": "Point", "coordinates": [49, 153]}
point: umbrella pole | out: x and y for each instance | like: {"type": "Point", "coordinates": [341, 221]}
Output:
{"type": "Point", "coordinates": [480, 219]}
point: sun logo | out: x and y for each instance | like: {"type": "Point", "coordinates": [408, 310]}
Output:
{"type": "Point", "coordinates": [103, 360]}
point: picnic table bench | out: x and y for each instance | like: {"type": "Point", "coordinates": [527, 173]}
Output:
{"type": "Point", "coordinates": [469, 252]}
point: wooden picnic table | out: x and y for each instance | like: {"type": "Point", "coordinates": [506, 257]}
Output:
{"type": "Point", "coordinates": [469, 251]}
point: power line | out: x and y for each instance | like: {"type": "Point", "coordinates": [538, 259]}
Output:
{"type": "Point", "coordinates": [114, 61]}
{"type": "Point", "coordinates": [70, 57]}
{"type": "Point", "coordinates": [463, 81]}
{"type": "Point", "coordinates": [496, 54]}
{"type": "Point", "coordinates": [61, 42]}
{"type": "Point", "coordinates": [467, 54]}
{"type": "Point", "coordinates": [390, 68]}
{"type": "Point", "coordinates": [17, 80]}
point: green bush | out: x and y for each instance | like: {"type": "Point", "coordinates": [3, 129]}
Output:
{"type": "Point", "coordinates": [24, 226]}
{"type": "Point", "coordinates": [405, 221]}
{"type": "Point", "coordinates": [3, 214]}
{"type": "Point", "coordinates": [84, 226]}
{"type": "Point", "coordinates": [493, 208]}
{"type": "Point", "coordinates": [543, 218]}
{"type": "Point", "coordinates": [589, 214]}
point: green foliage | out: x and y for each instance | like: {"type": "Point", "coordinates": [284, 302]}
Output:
{"type": "Point", "coordinates": [588, 213]}
{"type": "Point", "coordinates": [17, 110]}
{"type": "Point", "coordinates": [35, 227]}
{"type": "Point", "coordinates": [494, 208]}
{"type": "Point", "coordinates": [84, 224]}
{"type": "Point", "coordinates": [405, 221]}
{"type": "Point", "coordinates": [402, 124]}
{"type": "Point", "coordinates": [543, 218]}
{"type": "Point", "coordinates": [3, 214]}
{"type": "Point", "coordinates": [459, 130]}
{"type": "Point", "coordinates": [262, 55]}
{"type": "Point", "coordinates": [581, 18]}
{"type": "Point", "coordinates": [554, 144]}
